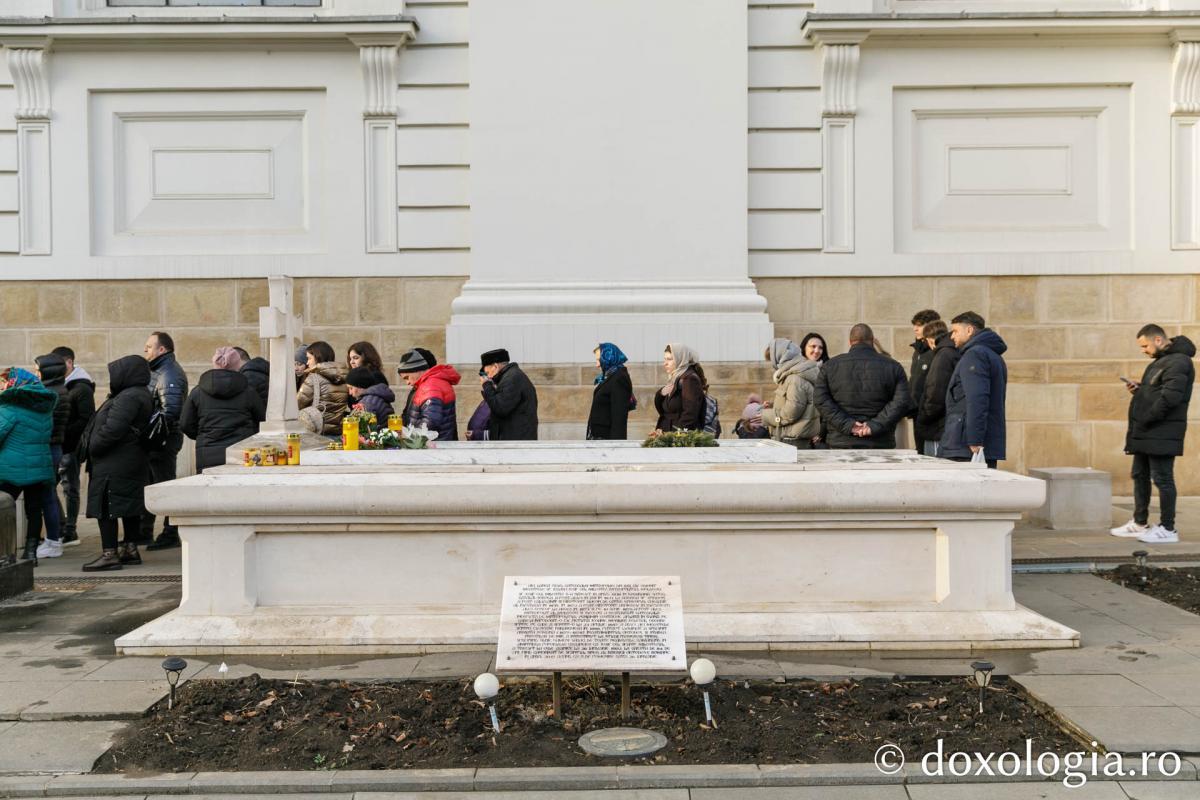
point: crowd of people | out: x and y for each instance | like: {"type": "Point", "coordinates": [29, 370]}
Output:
{"type": "Point", "coordinates": [954, 392]}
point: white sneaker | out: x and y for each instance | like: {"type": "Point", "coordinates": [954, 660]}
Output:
{"type": "Point", "coordinates": [49, 549]}
{"type": "Point", "coordinates": [1159, 535]}
{"type": "Point", "coordinates": [1130, 530]}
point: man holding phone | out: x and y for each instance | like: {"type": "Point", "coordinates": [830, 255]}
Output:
{"type": "Point", "coordinates": [1157, 425]}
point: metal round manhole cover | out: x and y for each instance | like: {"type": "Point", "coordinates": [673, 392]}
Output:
{"type": "Point", "coordinates": [622, 742]}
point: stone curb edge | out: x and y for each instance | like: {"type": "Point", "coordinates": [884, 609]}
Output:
{"type": "Point", "coordinates": [519, 779]}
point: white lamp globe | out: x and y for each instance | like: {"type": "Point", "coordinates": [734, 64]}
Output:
{"type": "Point", "coordinates": [487, 686]}
{"type": "Point", "coordinates": [703, 671]}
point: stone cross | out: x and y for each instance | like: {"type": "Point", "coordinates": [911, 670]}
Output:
{"type": "Point", "coordinates": [277, 323]}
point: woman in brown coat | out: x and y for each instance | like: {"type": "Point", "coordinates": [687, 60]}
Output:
{"type": "Point", "coordinates": [680, 403]}
{"type": "Point", "coordinates": [324, 388]}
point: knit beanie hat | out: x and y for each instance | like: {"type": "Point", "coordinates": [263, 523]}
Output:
{"type": "Point", "coordinates": [302, 354]}
{"type": "Point", "coordinates": [362, 378]}
{"type": "Point", "coordinates": [225, 358]}
{"type": "Point", "coordinates": [416, 360]}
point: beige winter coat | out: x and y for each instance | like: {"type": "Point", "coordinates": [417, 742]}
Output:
{"type": "Point", "coordinates": [793, 414]}
{"type": "Point", "coordinates": [328, 380]}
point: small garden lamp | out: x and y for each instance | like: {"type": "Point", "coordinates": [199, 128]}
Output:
{"type": "Point", "coordinates": [173, 666]}
{"type": "Point", "coordinates": [703, 673]}
{"type": "Point", "coordinates": [487, 686]}
{"type": "Point", "coordinates": [983, 678]}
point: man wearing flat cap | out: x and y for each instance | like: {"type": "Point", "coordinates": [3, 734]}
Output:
{"type": "Point", "coordinates": [511, 397]}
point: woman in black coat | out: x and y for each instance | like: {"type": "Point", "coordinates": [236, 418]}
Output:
{"type": "Point", "coordinates": [221, 411]}
{"type": "Point", "coordinates": [680, 404]}
{"type": "Point", "coordinates": [117, 464]}
{"type": "Point", "coordinates": [612, 399]}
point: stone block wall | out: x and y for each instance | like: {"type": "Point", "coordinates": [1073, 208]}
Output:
{"type": "Point", "coordinates": [1069, 338]}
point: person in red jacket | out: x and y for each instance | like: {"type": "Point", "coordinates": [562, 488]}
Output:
{"type": "Point", "coordinates": [431, 400]}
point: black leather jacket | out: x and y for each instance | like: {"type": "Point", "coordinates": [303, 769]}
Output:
{"type": "Point", "coordinates": [169, 384]}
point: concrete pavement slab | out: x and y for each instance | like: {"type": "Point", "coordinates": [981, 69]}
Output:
{"type": "Point", "coordinates": [587, 794]}
{"type": "Point", "coordinates": [55, 746]}
{"type": "Point", "coordinates": [543, 778]}
{"type": "Point", "coordinates": [824, 775]}
{"type": "Point", "coordinates": [1094, 790]}
{"type": "Point", "coordinates": [23, 645]}
{"type": "Point", "coordinates": [1091, 690]}
{"type": "Point", "coordinates": [1115, 659]}
{"type": "Point", "coordinates": [16, 696]}
{"type": "Point", "coordinates": [170, 783]}
{"type": "Point", "coordinates": [744, 665]}
{"type": "Point", "coordinates": [403, 780]}
{"type": "Point", "coordinates": [89, 646]}
{"type": "Point", "coordinates": [803, 793]}
{"type": "Point", "coordinates": [1138, 729]}
{"type": "Point", "coordinates": [131, 668]}
{"type": "Point", "coordinates": [669, 776]}
{"type": "Point", "coordinates": [1182, 690]}
{"type": "Point", "coordinates": [99, 700]}
{"type": "Point", "coordinates": [462, 664]}
{"type": "Point", "coordinates": [1160, 790]}
{"type": "Point", "coordinates": [47, 668]}
{"type": "Point", "coordinates": [821, 667]}
{"type": "Point", "coordinates": [290, 795]}
{"type": "Point", "coordinates": [261, 782]}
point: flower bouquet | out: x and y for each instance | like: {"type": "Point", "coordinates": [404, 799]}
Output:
{"type": "Point", "coordinates": [681, 439]}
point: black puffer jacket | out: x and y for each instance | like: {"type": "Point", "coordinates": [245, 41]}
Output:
{"type": "Point", "coordinates": [921, 359]}
{"type": "Point", "coordinates": [54, 375]}
{"type": "Point", "coordinates": [116, 461]}
{"type": "Point", "coordinates": [609, 417]}
{"type": "Point", "coordinates": [683, 409]}
{"type": "Point", "coordinates": [81, 393]}
{"type": "Point", "coordinates": [862, 386]}
{"type": "Point", "coordinates": [258, 373]}
{"type": "Point", "coordinates": [222, 410]}
{"type": "Point", "coordinates": [514, 404]}
{"type": "Point", "coordinates": [169, 383]}
{"type": "Point", "coordinates": [1158, 409]}
{"type": "Point", "coordinates": [930, 418]}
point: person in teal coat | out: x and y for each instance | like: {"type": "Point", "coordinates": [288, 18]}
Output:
{"type": "Point", "coordinates": [26, 422]}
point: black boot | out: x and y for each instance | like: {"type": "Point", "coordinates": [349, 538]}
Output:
{"type": "Point", "coordinates": [128, 554]}
{"type": "Point", "coordinates": [166, 540]}
{"type": "Point", "coordinates": [69, 535]}
{"type": "Point", "coordinates": [107, 560]}
{"type": "Point", "coordinates": [31, 546]}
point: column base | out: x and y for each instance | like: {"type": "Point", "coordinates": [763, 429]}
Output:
{"type": "Point", "coordinates": [562, 323]}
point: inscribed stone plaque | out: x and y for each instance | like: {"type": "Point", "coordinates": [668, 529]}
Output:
{"type": "Point", "coordinates": [591, 623]}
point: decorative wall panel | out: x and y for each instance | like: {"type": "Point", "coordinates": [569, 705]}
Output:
{"type": "Point", "coordinates": [233, 173]}
{"type": "Point", "coordinates": [1012, 169]}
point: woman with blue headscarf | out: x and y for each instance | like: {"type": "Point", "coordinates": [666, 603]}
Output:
{"type": "Point", "coordinates": [612, 399]}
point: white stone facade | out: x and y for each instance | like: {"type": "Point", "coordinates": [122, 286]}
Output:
{"type": "Point", "coordinates": [601, 169]}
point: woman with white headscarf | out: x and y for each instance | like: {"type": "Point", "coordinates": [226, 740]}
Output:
{"type": "Point", "coordinates": [792, 416]}
{"type": "Point", "coordinates": [680, 403]}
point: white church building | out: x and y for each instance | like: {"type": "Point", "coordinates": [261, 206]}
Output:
{"type": "Point", "coordinates": [543, 175]}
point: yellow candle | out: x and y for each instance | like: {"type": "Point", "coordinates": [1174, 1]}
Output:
{"type": "Point", "coordinates": [395, 423]}
{"type": "Point", "coordinates": [350, 434]}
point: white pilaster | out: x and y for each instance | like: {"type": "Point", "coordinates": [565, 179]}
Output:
{"type": "Point", "coordinates": [839, 99]}
{"type": "Point", "coordinates": [1185, 142]}
{"type": "Point", "coordinates": [378, 56]}
{"type": "Point", "coordinates": [27, 64]}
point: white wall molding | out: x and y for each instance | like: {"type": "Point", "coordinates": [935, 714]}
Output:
{"type": "Point", "coordinates": [1185, 182]}
{"type": "Point", "coordinates": [839, 79]}
{"type": "Point", "coordinates": [27, 63]}
{"type": "Point", "coordinates": [1185, 77]}
{"type": "Point", "coordinates": [839, 104]}
{"type": "Point", "coordinates": [379, 57]}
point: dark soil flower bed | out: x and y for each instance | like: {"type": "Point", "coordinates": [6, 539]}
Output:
{"type": "Point", "coordinates": [256, 724]}
{"type": "Point", "coordinates": [1179, 586]}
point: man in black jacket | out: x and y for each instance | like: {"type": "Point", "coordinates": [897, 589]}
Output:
{"type": "Point", "coordinates": [922, 357]}
{"type": "Point", "coordinates": [169, 386]}
{"type": "Point", "coordinates": [862, 395]}
{"type": "Point", "coordinates": [1157, 424]}
{"type": "Point", "coordinates": [81, 395]}
{"type": "Point", "coordinates": [257, 371]}
{"type": "Point", "coordinates": [930, 417]}
{"type": "Point", "coordinates": [52, 370]}
{"type": "Point", "coordinates": [511, 397]}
